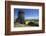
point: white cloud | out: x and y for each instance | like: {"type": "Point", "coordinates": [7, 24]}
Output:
{"type": "Point", "coordinates": [31, 17]}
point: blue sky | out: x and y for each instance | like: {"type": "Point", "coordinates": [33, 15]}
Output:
{"type": "Point", "coordinates": [29, 13]}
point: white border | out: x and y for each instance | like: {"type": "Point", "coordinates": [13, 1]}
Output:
{"type": "Point", "coordinates": [25, 28]}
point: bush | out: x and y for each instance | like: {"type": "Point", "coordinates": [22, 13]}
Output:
{"type": "Point", "coordinates": [32, 24]}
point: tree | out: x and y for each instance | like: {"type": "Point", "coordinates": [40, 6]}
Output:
{"type": "Point", "coordinates": [20, 18]}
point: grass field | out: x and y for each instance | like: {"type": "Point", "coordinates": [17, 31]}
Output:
{"type": "Point", "coordinates": [27, 23]}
